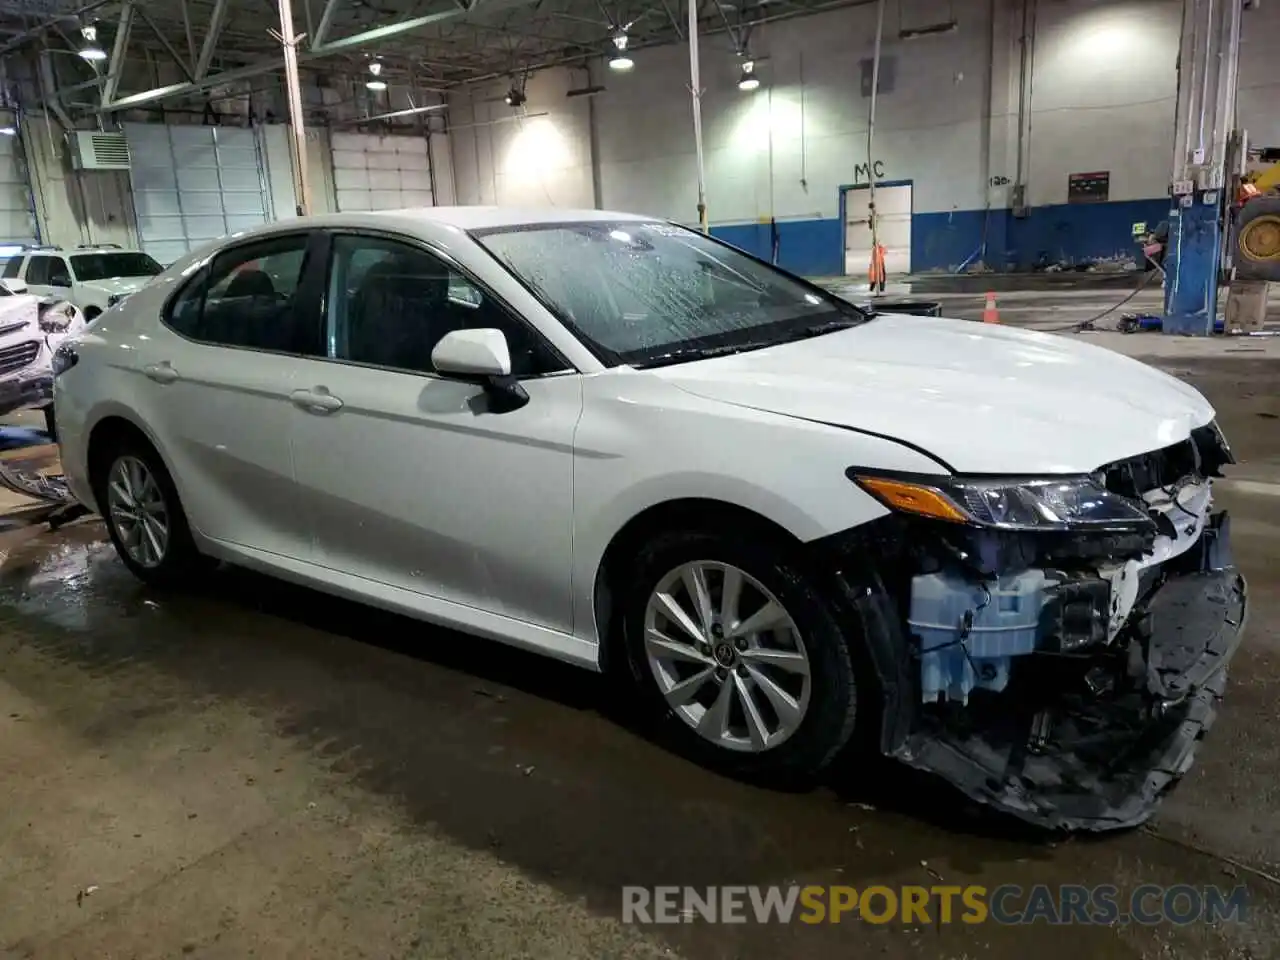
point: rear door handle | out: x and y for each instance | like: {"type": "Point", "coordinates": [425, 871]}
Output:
{"type": "Point", "coordinates": [317, 400]}
{"type": "Point", "coordinates": [161, 372]}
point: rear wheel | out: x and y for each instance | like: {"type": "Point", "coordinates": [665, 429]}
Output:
{"type": "Point", "coordinates": [144, 517]}
{"type": "Point", "coordinates": [738, 656]}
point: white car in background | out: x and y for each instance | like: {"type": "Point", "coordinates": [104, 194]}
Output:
{"type": "Point", "coordinates": [784, 519]}
{"type": "Point", "coordinates": [94, 278]}
{"type": "Point", "coordinates": [31, 328]}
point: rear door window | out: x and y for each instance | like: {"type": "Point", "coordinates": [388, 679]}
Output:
{"type": "Point", "coordinates": [38, 270]}
{"type": "Point", "coordinates": [248, 297]}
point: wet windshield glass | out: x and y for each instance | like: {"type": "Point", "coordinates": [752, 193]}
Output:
{"type": "Point", "coordinates": [651, 293]}
{"type": "Point", "coordinates": [104, 266]}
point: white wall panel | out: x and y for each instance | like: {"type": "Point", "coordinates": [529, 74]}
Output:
{"type": "Point", "coordinates": [75, 206]}
{"type": "Point", "coordinates": [1103, 96]}
{"type": "Point", "coordinates": [538, 156]}
{"type": "Point", "coordinates": [380, 173]}
{"type": "Point", "coordinates": [1259, 95]}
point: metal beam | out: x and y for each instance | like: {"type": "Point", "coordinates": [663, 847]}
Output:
{"type": "Point", "coordinates": [408, 112]}
{"type": "Point", "coordinates": [356, 41]}
{"type": "Point", "coordinates": [40, 28]}
{"type": "Point", "coordinates": [168, 48]}
{"type": "Point", "coordinates": [186, 28]}
{"type": "Point", "coordinates": [49, 84]}
{"type": "Point", "coordinates": [326, 21]}
{"type": "Point", "coordinates": [216, 21]}
{"type": "Point", "coordinates": [124, 26]}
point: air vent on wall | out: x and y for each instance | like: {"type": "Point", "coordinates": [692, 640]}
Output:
{"type": "Point", "coordinates": [93, 150]}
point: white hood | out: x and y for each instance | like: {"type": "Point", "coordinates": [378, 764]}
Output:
{"type": "Point", "coordinates": [982, 398]}
{"type": "Point", "coordinates": [116, 284]}
{"type": "Point", "coordinates": [18, 316]}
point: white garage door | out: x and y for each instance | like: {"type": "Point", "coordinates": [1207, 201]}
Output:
{"type": "Point", "coordinates": [893, 229]}
{"type": "Point", "coordinates": [380, 173]}
{"type": "Point", "coordinates": [193, 184]}
{"type": "Point", "coordinates": [17, 224]}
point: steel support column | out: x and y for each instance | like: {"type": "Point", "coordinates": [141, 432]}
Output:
{"type": "Point", "coordinates": [297, 117]}
{"type": "Point", "coordinates": [695, 90]}
{"type": "Point", "coordinates": [1208, 57]}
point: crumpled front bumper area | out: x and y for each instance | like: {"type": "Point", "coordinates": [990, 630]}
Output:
{"type": "Point", "coordinates": [1093, 743]}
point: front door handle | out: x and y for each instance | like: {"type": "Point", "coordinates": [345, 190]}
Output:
{"type": "Point", "coordinates": [316, 400]}
{"type": "Point", "coordinates": [161, 372]}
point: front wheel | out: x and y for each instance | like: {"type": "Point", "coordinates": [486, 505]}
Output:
{"type": "Point", "coordinates": [144, 517]}
{"type": "Point", "coordinates": [738, 655]}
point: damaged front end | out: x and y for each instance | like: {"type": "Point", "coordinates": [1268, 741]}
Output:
{"type": "Point", "coordinates": [1054, 649]}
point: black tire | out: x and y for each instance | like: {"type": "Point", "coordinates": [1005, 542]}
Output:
{"type": "Point", "coordinates": [50, 423]}
{"type": "Point", "coordinates": [829, 721]}
{"type": "Point", "coordinates": [182, 564]}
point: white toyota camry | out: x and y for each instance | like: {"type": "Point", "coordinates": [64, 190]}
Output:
{"type": "Point", "coordinates": [784, 519]}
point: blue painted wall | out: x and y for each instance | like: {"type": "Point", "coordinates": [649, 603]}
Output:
{"type": "Point", "coordinates": [942, 241]}
{"type": "Point", "coordinates": [813, 248]}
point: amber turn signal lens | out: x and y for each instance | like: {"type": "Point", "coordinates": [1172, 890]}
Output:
{"type": "Point", "coordinates": [913, 498]}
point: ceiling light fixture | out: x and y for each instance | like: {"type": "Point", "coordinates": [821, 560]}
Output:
{"type": "Point", "coordinates": [748, 80]}
{"type": "Point", "coordinates": [91, 51]}
{"type": "Point", "coordinates": [376, 82]}
{"type": "Point", "coordinates": [619, 59]}
{"type": "Point", "coordinates": [8, 131]}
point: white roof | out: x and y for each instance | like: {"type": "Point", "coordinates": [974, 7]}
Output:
{"type": "Point", "coordinates": [478, 218]}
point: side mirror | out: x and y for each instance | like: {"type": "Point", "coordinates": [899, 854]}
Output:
{"type": "Point", "coordinates": [481, 355]}
{"type": "Point", "coordinates": [472, 353]}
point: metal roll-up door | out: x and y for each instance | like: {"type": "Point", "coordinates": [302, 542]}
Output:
{"type": "Point", "coordinates": [381, 173]}
{"type": "Point", "coordinates": [17, 219]}
{"type": "Point", "coordinates": [194, 184]}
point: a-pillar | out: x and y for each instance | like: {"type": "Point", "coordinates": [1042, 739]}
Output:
{"type": "Point", "coordinates": [1208, 56]}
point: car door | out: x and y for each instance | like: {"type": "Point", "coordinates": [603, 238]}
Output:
{"type": "Point", "coordinates": [60, 281]}
{"type": "Point", "coordinates": [38, 273]}
{"type": "Point", "coordinates": [411, 479]}
{"type": "Point", "coordinates": [218, 376]}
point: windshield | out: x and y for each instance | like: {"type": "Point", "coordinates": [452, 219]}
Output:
{"type": "Point", "coordinates": [650, 293]}
{"type": "Point", "coordinates": [104, 266]}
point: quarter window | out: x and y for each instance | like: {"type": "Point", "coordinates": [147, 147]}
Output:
{"type": "Point", "coordinates": [11, 267]}
{"type": "Point", "coordinates": [390, 303]}
{"type": "Point", "coordinates": [247, 297]}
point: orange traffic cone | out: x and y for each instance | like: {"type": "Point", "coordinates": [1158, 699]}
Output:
{"type": "Point", "coordinates": [989, 313]}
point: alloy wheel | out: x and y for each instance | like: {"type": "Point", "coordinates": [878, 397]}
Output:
{"type": "Point", "coordinates": [727, 656]}
{"type": "Point", "coordinates": [136, 508]}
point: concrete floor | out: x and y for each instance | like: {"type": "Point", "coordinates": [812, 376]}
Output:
{"type": "Point", "coordinates": [259, 770]}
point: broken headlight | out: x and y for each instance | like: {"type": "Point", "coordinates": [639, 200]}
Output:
{"type": "Point", "coordinates": [1061, 503]}
{"type": "Point", "coordinates": [56, 319]}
